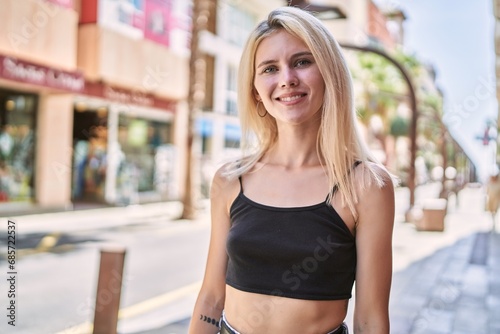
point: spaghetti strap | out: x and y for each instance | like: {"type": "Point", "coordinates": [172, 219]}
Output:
{"type": "Point", "coordinates": [241, 184]}
{"type": "Point", "coordinates": [336, 186]}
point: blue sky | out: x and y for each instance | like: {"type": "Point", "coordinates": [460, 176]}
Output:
{"type": "Point", "coordinates": [457, 37]}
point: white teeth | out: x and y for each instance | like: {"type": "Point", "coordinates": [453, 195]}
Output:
{"type": "Point", "coordinates": [290, 98]}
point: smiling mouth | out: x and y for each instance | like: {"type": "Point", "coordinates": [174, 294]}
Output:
{"type": "Point", "coordinates": [291, 98]}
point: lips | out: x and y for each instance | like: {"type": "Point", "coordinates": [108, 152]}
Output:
{"type": "Point", "coordinates": [290, 98]}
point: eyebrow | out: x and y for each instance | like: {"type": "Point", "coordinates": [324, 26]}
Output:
{"type": "Point", "coordinates": [296, 55]}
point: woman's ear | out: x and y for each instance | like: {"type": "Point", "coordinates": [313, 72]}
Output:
{"type": "Point", "coordinates": [256, 95]}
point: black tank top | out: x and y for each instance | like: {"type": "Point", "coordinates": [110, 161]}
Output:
{"type": "Point", "coordinates": [298, 252]}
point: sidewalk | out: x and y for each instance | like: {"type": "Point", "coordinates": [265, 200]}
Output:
{"type": "Point", "coordinates": [448, 282]}
{"type": "Point", "coordinates": [92, 219]}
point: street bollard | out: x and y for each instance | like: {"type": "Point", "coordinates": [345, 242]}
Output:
{"type": "Point", "coordinates": [108, 293]}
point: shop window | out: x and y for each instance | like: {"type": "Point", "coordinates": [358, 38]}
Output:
{"type": "Point", "coordinates": [145, 156]}
{"type": "Point", "coordinates": [231, 91]}
{"type": "Point", "coordinates": [17, 146]}
{"type": "Point", "coordinates": [232, 143]}
{"type": "Point", "coordinates": [232, 136]}
{"type": "Point", "coordinates": [204, 129]}
{"type": "Point", "coordinates": [206, 145]}
{"type": "Point", "coordinates": [231, 107]}
{"type": "Point", "coordinates": [236, 24]}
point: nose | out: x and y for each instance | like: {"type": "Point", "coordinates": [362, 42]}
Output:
{"type": "Point", "coordinates": [288, 78]}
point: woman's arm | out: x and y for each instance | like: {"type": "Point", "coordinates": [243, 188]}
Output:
{"type": "Point", "coordinates": [210, 301]}
{"type": "Point", "coordinates": [374, 229]}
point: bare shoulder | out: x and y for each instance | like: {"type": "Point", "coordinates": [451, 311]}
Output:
{"type": "Point", "coordinates": [224, 188]}
{"type": "Point", "coordinates": [371, 176]}
{"type": "Point", "coordinates": [375, 188]}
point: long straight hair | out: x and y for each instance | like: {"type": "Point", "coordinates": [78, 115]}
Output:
{"type": "Point", "coordinates": [339, 143]}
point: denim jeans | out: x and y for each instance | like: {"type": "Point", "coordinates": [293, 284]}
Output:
{"type": "Point", "coordinates": [225, 328]}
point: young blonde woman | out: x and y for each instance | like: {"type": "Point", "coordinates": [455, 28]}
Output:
{"type": "Point", "coordinates": [306, 211]}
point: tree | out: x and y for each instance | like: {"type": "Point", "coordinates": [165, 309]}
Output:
{"type": "Point", "coordinates": [196, 94]}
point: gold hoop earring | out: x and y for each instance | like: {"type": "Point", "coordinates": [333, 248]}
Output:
{"type": "Point", "coordinates": [257, 107]}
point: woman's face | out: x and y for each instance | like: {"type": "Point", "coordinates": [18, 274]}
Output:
{"type": "Point", "coordinates": [287, 79]}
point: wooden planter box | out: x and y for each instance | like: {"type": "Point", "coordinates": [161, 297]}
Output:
{"type": "Point", "coordinates": [433, 214]}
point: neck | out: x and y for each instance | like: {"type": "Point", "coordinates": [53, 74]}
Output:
{"type": "Point", "coordinates": [294, 148]}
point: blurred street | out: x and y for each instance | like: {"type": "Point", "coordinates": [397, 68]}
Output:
{"type": "Point", "coordinates": [444, 282]}
{"type": "Point", "coordinates": [58, 263]}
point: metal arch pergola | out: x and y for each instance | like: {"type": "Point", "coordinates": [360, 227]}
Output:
{"type": "Point", "coordinates": [413, 106]}
{"type": "Point", "coordinates": [337, 13]}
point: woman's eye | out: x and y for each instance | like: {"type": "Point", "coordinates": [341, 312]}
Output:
{"type": "Point", "coordinates": [303, 62]}
{"type": "Point", "coordinates": [269, 69]}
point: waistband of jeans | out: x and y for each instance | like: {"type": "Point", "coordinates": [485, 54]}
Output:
{"type": "Point", "coordinates": [225, 328]}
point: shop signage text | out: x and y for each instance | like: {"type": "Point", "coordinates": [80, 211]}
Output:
{"type": "Point", "coordinates": [127, 96]}
{"type": "Point", "coordinates": [21, 71]}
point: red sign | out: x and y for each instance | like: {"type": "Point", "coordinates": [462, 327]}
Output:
{"type": "Point", "coordinates": [88, 11]}
{"type": "Point", "coordinates": [146, 19]}
{"type": "Point", "coordinates": [22, 71]}
{"type": "Point", "coordinates": [156, 27]}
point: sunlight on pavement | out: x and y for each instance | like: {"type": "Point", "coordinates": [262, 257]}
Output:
{"type": "Point", "coordinates": [140, 308]}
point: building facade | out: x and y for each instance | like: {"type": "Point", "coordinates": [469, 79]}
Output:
{"type": "Point", "coordinates": [217, 126]}
{"type": "Point", "coordinates": [92, 101]}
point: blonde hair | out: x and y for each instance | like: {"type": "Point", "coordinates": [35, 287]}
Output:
{"type": "Point", "coordinates": [339, 143]}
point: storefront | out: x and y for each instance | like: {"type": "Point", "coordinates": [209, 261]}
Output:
{"type": "Point", "coordinates": [123, 147]}
{"type": "Point", "coordinates": [86, 110]}
{"type": "Point", "coordinates": [135, 56]}
{"type": "Point", "coordinates": [34, 114]}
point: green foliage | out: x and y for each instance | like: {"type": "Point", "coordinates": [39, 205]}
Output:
{"type": "Point", "coordinates": [399, 126]}
{"type": "Point", "coordinates": [380, 73]}
{"type": "Point", "coordinates": [363, 114]}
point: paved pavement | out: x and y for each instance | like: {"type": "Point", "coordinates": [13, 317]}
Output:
{"type": "Point", "coordinates": [443, 282]}
{"type": "Point", "coordinates": [448, 282]}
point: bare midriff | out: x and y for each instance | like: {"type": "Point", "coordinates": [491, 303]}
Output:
{"type": "Point", "coordinates": [257, 313]}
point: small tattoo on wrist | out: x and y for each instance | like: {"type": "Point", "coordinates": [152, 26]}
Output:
{"type": "Point", "coordinates": [212, 321]}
